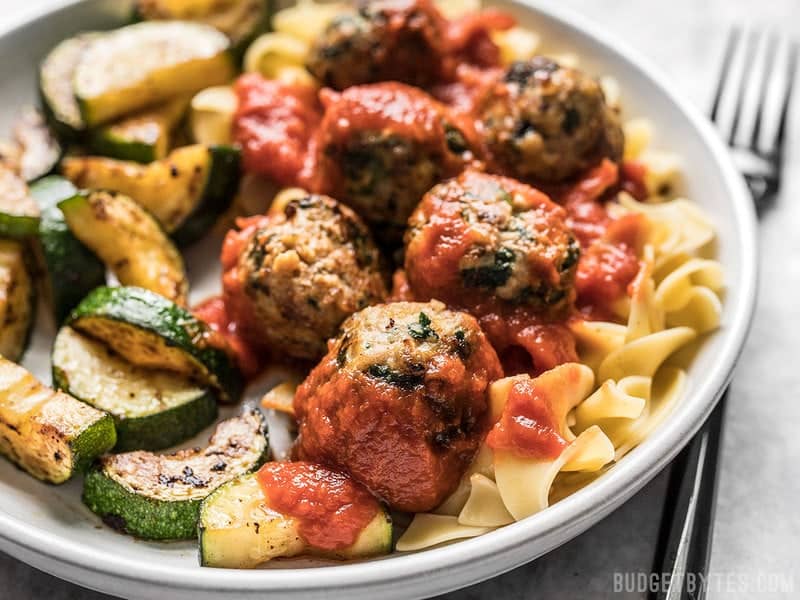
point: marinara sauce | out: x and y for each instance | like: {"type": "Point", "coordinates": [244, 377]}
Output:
{"type": "Point", "coordinates": [529, 425]}
{"type": "Point", "coordinates": [330, 508]}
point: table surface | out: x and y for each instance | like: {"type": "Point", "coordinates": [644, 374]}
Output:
{"type": "Point", "coordinates": [756, 551]}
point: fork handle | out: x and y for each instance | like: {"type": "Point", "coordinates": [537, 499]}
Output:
{"type": "Point", "coordinates": [687, 523]}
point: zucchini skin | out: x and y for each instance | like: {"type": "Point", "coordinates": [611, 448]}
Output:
{"type": "Point", "coordinates": [177, 327]}
{"type": "Point", "coordinates": [72, 269]}
{"type": "Point", "coordinates": [220, 189]}
{"type": "Point", "coordinates": [94, 441]}
{"type": "Point", "coordinates": [152, 430]}
{"type": "Point", "coordinates": [106, 143]}
{"type": "Point", "coordinates": [167, 428]}
{"type": "Point", "coordinates": [147, 517]}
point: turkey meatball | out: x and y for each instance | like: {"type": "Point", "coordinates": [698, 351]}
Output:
{"type": "Point", "coordinates": [400, 401]}
{"type": "Point", "coordinates": [296, 274]}
{"type": "Point", "coordinates": [483, 238]}
{"type": "Point", "coordinates": [383, 146]}
{"type": "Point", "coordinates": [546, 123]}
{"type": "Point", "coordinates": [387, 40]}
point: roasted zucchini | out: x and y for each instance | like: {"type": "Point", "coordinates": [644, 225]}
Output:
{"type": "Point", "coordinates": [147, 63]}
{"type": "Point", "coordinates": [34, 152]}
{"type": "Point", "coordinates": [128, 240]}
{"type": "Point", "coordinates": [72, 270]}
{"type": "Point", "coordinates": [157, 496]}
{"type": "Point", "coordinates": [143, 137]}
{"type": "Point", "coordinates": [17, 300]}
{"type": "Point", "coordinates": [185, 192]}
{"type": "Point", "coordinates": [240, 20]}
{"type": "Point", "coordinates": [49, 434]}
{"type": "Point", "coordinates": [238, 529]}
{"type": "Point", "coordinates": [19, 213]}
{"type": "Point", "coordinates": [151, 332]}
{"type": "Point", "coordinates": [152, 409]}
{"type": "Point", "coordinates": [55, 86]}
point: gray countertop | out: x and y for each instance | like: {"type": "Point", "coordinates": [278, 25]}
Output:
{"type": "Point", "coordinates": [756, 549]}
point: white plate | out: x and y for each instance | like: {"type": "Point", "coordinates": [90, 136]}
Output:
{"type": "Point", "coordinates": [49, 528]}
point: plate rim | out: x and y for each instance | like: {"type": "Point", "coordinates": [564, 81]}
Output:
{"type": "Point", "coordinates": [469, 561]}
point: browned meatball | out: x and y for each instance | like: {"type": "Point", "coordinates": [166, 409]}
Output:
{"type": "Point", "coordinates": [382, 146]}
{"type": "Point", "coordinates": [544, 122]}
{"type": "Point", "coordinates": [400, 401]}
{"type": "Point", "coordinates": [385, 40]}
{"type": "Point", "coordinates": [484, 239]}
{"type": "Point", "coordinates": [300, 273]}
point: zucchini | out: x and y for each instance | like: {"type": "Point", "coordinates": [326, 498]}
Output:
{"type": "Point", "coordinates": [55, 86]}
{"type": "Point", "coordinates": [186, 192]}
{"type": "Point", "coordinates": [143, 137]}
{"type": "Point", "coordinates": [157, 496]}
{"type": "Point", "coordinates": [19, 213]}
{"type": "Point", "coordinates": [151, 332]}
{"type": "Point", "coordinates": [152, 409]}
{"type": "Point", "coordinates": [147, 63]}
{"type": "Point", "coordinates": [49, 434]}
{"type": "Point", "coordinates": [72, 270]}
{"type": "Point", "coordinates": [34, 152]}
{"type": "Point", "coordinates": [17, 300]}
{"type": "Point", "coordinates": [238, 529]}
{"type": "Point", "coordinates": [128, 240]}
{"type": "Point", "coordinates": [240, 20]}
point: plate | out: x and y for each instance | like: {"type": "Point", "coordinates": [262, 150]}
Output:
{"type": "Point", "coordinates": [49, 528]}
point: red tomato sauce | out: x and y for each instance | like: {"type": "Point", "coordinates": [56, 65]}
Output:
{"type": "Point", "coordinates": [330, 508]}
{"type": "Point", "coordinates": [529, 424]}
{"type": "Point", "coordinates": [275, 123]}
{"type": "Point", "coordinates": [213, 312]}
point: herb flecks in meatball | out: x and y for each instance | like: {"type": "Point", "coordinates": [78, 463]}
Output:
{"type": "Point", "coordinates": [544, 122]}
{"type": "Point", "coordinates": [301, 272]}
{"type": "Point", "coordinates": [400, 401]}
{"type": "Point", "coordinates": [481, 238]}
{"type": "Point", "coordinates": [383, 146]}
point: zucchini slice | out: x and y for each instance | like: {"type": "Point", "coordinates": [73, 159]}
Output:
{"type": "Point", "coordinates": [72, 270]}
{"type": "Point", "coordinates": [239, 530]}
{"type": "Point", "coordinates": [17, 300]}
{"type": "Point", "coordinates": [55, 86]}
{"type": "Point", "coordinates": [19, 213]}
{"type": "Point", "coordinates": [151, 332]}
{"type": "Point", "coordinates": [152, 409]}
{"type": "Point", "coordinates": [143, 137]}
{"type": "Point", "coordinates": [157, 496]}
{"type": "Point", "coordinates": [34, 151]}
{"type": "Point", "coordinates": [147, 63]}
{"type": "Point", "coordinates": [186, 192]}
{"type": "Point", "coordinates": [128, 240]}
{"type": "Point", "coordinates": [240, 20]}
{"type": "Point", "coordinates": [49, 434]}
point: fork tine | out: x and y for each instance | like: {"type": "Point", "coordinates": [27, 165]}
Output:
{"type": "Point", "coordinates": [733, 39]}
{"type": "Point", "coordinates": [769, 59]}
{"type": "Point", "coordinates": [747, 64]}
{"type": "Point", "coordinates": [787, 99]}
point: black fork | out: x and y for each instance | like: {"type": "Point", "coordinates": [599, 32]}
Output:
{"type": "Point", "coordinates": [687, 524]}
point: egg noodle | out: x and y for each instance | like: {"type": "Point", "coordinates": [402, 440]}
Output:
{"type": "Point", "coordinates": [629, 378]}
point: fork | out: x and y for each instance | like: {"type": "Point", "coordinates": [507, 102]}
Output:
{"type": "Point", "coordinates": [684, 546]}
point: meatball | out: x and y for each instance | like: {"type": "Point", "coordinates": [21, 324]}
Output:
{"type": "Point", "coordinates": [544, 122]}
{"type": "Point", "coordinates": [298, 273]}
{"type": "Point", "coordinates": [400, 401]}
{"type": "Point", "coordinates": [388, 40]}
{"type": "Point", "coordinates": [383, 146]}
{"type": "Point", "coordinates": [484, 238]}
